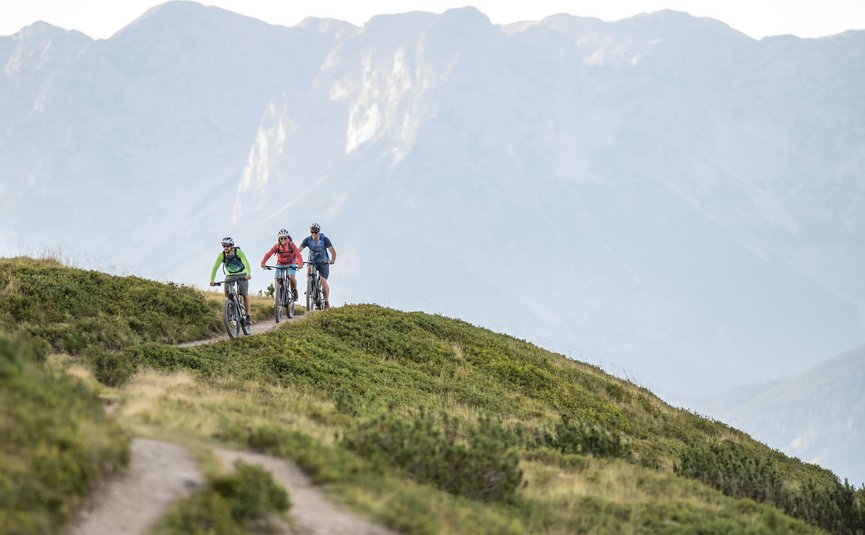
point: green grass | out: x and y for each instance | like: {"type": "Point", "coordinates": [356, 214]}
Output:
{"type": "Point", "coordinates": [56, 442]}
{"type": "Point", "coordinates": [361, 361]}
{"type": "Point", "coordinates": [429, 424]}
{"type": "Point", "coordinates": [73, 310]}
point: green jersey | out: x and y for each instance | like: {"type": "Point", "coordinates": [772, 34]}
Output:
{"type": "Point", "coordinates": [233, 264]}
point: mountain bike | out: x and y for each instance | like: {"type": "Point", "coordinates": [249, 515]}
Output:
{"type": "Point", "coordinates": [314, 293]}
{"type": "Point", "coordinates": [282, 296]}
{"type": "Point", "coordinates": [233, 311]}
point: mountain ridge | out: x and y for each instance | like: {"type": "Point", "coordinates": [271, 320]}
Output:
{"type": "Point", "coordinates": [796, 413]}
{"type": "Point", "coordinates": [396, 412]}
{"type": "Point", "coordinates": [699, 215]}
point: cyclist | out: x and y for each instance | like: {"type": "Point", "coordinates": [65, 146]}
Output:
{"type": "Point", "coordinates": [287, 258]}
{"type": "Point", "coordinates": [236, 268]}
{"type": "Point", "coordinates": [319, 245]}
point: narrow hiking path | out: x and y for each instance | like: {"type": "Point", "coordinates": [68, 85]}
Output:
{"type": "Point", "coordinates": [312, 511]}
{"type": "Point", "coordinates": [258, 327]}
{"type": "Point", "coordinates": [162, 472]}
{"type": "Point", "coordinates": [159, 473]}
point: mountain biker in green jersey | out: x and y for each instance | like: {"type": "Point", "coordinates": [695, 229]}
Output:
{"type": "Point", "coordinates": [236, 268]}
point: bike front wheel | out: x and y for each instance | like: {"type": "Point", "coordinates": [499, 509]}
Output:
{"type": "Point", "coordinates": [278, 301]}
{"type": "Point", "coordinates": [247, 327]}
{"type": "Point", "coordinates": [310, 288]}
{"type": "Point", "coordinates": [231, 318]}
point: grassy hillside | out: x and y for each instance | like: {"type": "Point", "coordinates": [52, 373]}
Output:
{"type": "Point", "coordinates": [56, 442]}
{"type": "Point", "coordinates": [73, 309]}
{"type": "Point", "coordinates": [429, 424]}
{"type": "Point", "coordinates": [443, 427]}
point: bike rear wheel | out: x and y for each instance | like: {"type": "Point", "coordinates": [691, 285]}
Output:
{"type": "Point", "coordinates": [289, 304]}
{"type": "Point", "coordinates": [231, 318]}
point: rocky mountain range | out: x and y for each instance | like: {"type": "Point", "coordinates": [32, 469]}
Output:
{"type": "Point", "coordinates": [662, 196]}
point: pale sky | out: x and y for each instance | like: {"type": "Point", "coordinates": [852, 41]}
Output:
{"type": "Point", "coordinates": [757, 18]}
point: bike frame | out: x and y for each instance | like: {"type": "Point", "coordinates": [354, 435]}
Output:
{"type": "Point", "coordinates": [288, 300]}
{"type": "Point", "coordinates": [232, 300]}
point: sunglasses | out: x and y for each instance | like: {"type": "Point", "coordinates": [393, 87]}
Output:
{"type": "Point", "coordinates": [283, 238]}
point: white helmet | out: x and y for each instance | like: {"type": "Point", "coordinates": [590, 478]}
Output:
{"type": "Point", "coordinates": [283, 234]}
{"type": "Point", "coordinates": [315, 227]}
{"type": "Point", "coordinates": [227, 242]}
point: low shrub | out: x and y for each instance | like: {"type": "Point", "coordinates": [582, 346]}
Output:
{"type": "Point", "coordinates": [483, 464]}
{"type": "Point", "coordinates": [111, 368]}
{"type": "Point", "coordinates": [730, 468]}
{"type": "Point", "coordinates": [236, 503]}
{"type": "Point", "coordinates": [572, 436]}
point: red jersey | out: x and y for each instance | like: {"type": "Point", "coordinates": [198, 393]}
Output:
{"type": "Point", "coordinates": [284, 255]}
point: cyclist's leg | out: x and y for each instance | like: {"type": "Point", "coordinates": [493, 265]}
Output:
{"type": "Point", "coordinates": [325, 289]}
{"type": "Point", "coordinates": [324, 272]}
{"type": "Point", "coordinates": [243, 290]}
{"type": "Point", "coordinates": [324, 269]}
{"type": "Point", "coordinates": [292, 279]}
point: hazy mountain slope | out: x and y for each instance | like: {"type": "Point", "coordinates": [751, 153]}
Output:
{"type": "Point", "coordinates": [148, 130]}
{"type": "Point", "coordinates": [815, 416]}
{"type": "Point", "coordinates": [638, 168]}
{"type": "Point", "coordinates": [661, 195]}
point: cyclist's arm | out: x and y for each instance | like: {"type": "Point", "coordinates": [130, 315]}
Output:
{"type": "Point", "coordinates": [268, 254]}
{"type": "Point", "coordinates": [215, 267]}
{"type": "Point", "coordinates": [246, 271]}
{"type": "Point", "coordinates": [330, 249]}
{"type": "Point", "coordinates": [296, 252]}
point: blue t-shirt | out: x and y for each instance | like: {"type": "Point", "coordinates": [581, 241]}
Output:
{"type": "Point", "coordinates": [317, 249]}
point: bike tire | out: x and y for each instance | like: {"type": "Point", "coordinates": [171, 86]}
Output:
{"type": "Point", "coordinates": [247, 329]}
{"type": "Point", "coordinates": [231, 318]}
{"type": "Point", "coordinates": [309, 290]}
{"type": "Point", "coordinates": [289, 308]}
{"type": "Point", "coordinates": [277, 304]}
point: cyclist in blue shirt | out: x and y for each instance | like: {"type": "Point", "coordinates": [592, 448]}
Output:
{"type": "Point", "coordinates": [319, 245]}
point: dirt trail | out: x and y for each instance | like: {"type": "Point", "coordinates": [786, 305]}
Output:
{"type": "Point", "coordinates": [162, 472]}
{"type": "Point", "coordinates": [258, 327]}
{"type": "Point", "coordinates": [159, 473]}
{"type": "Point", "coordinates": [313, 512]}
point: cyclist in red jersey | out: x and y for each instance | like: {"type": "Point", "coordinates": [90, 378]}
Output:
{"type": "Point", "coordinates": [287, 258]}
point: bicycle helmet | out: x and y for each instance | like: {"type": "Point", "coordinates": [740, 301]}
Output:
{"type": "Point", "coordinates": [283, 234]}
{"type": "Point", "coordinates": [227, 242]}
{"type": "Point", "coordinates": [315, 227]}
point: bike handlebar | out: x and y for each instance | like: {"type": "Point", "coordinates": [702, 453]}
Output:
{"type": "Point", "coordinates": [218, 283]}
{"type": "Point", "coordinates": [279, 267]}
